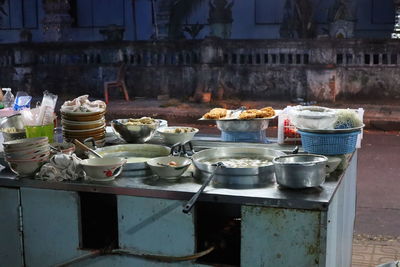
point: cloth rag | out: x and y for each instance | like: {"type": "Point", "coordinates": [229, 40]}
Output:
{"type": "Point", "coordinates": [62, 167]}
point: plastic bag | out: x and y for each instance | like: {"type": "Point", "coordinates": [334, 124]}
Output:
{"type": "Point", "coordinates": [312, 117]}
{"type": "Point", "coordinates": [46, 110]}
{"type": "Point", "coordinates": [287, 132]}
{"type": "Point", "coordinates": [22, 100]}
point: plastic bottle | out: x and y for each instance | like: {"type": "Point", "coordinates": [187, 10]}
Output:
{"type": "Point", "coordinates": [8, 99]}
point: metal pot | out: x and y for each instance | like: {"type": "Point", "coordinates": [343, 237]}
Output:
{"type": "Point", "coordinates": [14, 121]}
{"type": "Point", "coordinates": [301, 170]}
{"type": "Point", "coordinates": [235, 177]}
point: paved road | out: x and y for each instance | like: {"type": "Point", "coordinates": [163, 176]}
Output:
{"type": "Point", "coordinates": [378, 185]}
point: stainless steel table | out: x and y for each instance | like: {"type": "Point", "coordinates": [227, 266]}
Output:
{"type": "Point", "coordinates": [277, 226]}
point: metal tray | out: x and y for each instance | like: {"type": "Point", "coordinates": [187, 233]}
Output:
{"type": "Point", "coordinates": [237, 119]}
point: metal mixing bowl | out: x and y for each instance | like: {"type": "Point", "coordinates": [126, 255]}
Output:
{"type": "Point", "coordinates": [254, 125]}
{"type": "Point", "coordinates": [134, 133]}
{"type": "Point", "coordinates": [14, 121]}
{"type": "Point", "coordinates": [300, 170]}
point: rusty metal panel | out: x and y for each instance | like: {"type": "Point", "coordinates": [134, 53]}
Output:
{"type": "Point", "coordinates": [155, 225]}
{"type": "Point", "coordinates": [281, 237]}
{"type": "Point", "coordinates": [11, 253]}
{"type": "Point", "coordinates": [51, 226]}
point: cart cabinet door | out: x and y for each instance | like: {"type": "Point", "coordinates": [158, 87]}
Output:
{"type": "Point", "coordinates": [10, 235]}
{"type": "Point", "coordinates": [155, 226]}
{"type": "Point", "coordinates": [51, 226]}
{"type": "Point", "coordinates": [282, 237]}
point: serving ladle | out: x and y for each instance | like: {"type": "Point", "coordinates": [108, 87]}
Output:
{"type": "Point", "coordinates": [189, 205]}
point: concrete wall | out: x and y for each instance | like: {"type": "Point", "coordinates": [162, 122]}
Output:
{"type": "Point", "coordinates": [322, 70]}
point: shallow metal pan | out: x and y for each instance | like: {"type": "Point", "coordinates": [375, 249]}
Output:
{"type": "Point", "coordinates": [136, 154]}
{"type": "Point", "coordinates": [236, 177]}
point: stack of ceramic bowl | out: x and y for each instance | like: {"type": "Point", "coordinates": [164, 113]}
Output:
{"type": "Point", "coordinates": [26, 156]}
{"type": "Point", "coordinates": [82, 125]}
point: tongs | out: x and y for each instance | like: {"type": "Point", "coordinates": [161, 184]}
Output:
{"type": "Point", "coordinates": [179, 149]}
{"type": "Point", "coordinates": [234, 114]}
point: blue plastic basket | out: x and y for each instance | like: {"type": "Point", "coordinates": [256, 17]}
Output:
{"type": "Point", "coordinates": [251, 137]}
{"type": "Point", "coordinates": [329, 144]}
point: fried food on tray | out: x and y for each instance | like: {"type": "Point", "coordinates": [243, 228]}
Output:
{"type": "Point", "coordinates": [215, 114]}
{"type": "Point", "coordinates": [266, 112]}
{"type": "Point", "coordinates": [248, 114]}
{"type": "Point", "coordinates": [220, 113]}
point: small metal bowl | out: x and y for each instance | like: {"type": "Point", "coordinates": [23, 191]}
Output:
{"type": "Point", "coordinates": [300, 170]}
{"type": "Point", "coordinates": [136, 134]}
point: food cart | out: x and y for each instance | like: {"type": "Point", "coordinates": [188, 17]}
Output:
{"type": "Point", "coordinates": [138, 219]}
{"type": "Point", "coordinates": [49, 223]}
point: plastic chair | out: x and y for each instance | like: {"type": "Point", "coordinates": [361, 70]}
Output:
{"type": "Point", "coordinates": [118, 83]}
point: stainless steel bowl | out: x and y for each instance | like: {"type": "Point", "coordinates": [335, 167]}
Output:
{"type": "Point", "coordinates": [14, 121]}
{"type": "Point", "coordinates": [300, 170]}
{"type": "Point", "coordinates": [134, 133]}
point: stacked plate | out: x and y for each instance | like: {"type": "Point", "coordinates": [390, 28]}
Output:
{"type": "Point", "coordinates": [26, 156]}
{"type": "Point", "coordinates": [82, 125]}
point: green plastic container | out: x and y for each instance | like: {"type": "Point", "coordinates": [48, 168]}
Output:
{"type": "Point", "coordinates": [38, 131]}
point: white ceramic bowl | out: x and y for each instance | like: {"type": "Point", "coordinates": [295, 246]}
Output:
{"type": "Point", "coordinates": [28, 149]}
{"type": "Point", "coordinates": [171, 137]}
{"type": "Point", "coordinates": [26, 168]}
{"type": "Point", "coordinates": [22, 144]}
{"type": "Point", "coordinates": [31, 156]}
{"type": "Point", "coordinates": [163, 168]}
{"type": "Point", "coordinates": [21, 153]}
{"type": "Point", "coordinates": [103, 169]}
